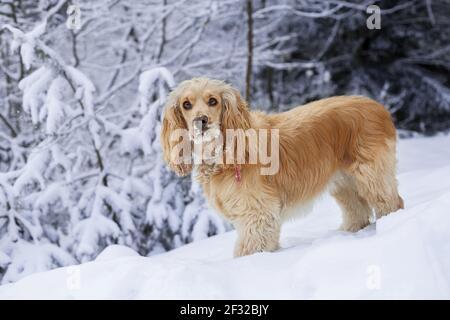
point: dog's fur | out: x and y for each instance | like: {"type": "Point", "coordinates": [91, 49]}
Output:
{"type": "Point", "coordinates": [346, 143]}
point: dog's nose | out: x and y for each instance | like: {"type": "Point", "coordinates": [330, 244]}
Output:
{"type": "Point", "coordinates": [201, 122]}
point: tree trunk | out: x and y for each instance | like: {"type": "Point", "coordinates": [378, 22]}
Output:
{"type": "Point", "coordinates": [248, 76]}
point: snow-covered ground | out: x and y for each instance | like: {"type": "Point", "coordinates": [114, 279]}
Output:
{"type": "Point", "coordinates": [405, 255]}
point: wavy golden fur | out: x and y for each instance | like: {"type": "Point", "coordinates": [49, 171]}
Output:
{"type": "Point", "coordinates": [346, 143]}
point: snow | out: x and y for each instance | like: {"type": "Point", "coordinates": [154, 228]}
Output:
{"type": "Point", "coordinates": [33, 87]}
{"type": "Point", "coordinates": [87, 87]}
{"type": "Point", "coordinates": [54, 105]}
{"type": "Point", "coordinates": [404, 255]}
{"type": "Point", "coordinates": [29, 258]}
{"type": "Point", "coordinates": [26, 42]}
{"type": "Point", "coordinates": [90, 232]}
{"type": "Point", "coordinates": [33, 171]}
{"type": "Point", "coordinates": [147, 80]}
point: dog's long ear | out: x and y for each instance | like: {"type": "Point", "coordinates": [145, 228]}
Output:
{"type": "Point", "coordinates": [172, 121]}
{"type": "Point", "coordinates": [235, 114]}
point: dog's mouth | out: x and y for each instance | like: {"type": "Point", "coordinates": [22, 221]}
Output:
{"type": "Point", "coordinates": [205, 133]}
{"type": "Point", "coordinates": [209, 138]}
{"type": "Point", "coordinates": [199, 127]}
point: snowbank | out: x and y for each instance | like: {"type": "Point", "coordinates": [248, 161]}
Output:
{"type": "Point", "coordinates": [405, 255]}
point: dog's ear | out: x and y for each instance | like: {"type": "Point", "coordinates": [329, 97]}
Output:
{"type": "Point", "coordinates": [235, 113]}
{"type": "Point", "coordinates": [173, 121]}
{"type": "Point", "coordinates": [236, 116]}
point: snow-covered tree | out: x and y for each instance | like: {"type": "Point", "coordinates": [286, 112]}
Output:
{"type": "Point", "coordinates": [322, 48]}
{"type": "Point", "coordinates": [94, 174]}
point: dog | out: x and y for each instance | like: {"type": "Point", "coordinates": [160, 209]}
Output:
{"type": "Point", "coordinates": [344, 144]}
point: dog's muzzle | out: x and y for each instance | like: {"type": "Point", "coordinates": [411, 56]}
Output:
{"type": "Point", "coordinates": [201, 123]}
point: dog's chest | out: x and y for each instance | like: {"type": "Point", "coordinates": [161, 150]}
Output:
{"type": "Point", "coordinates": [236, 199]}
{"type": "Point", "coordinates": [225, 195]}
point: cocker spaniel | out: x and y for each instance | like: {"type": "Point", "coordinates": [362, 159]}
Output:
{"type": "Point", "coordinates": [345, 144]}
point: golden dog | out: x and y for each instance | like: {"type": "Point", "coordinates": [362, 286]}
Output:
{"type": "Point", "coordinates": [345, 143]}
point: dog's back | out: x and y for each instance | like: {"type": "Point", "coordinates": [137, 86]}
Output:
{"type": "Point", "coordinates": [346, 136]}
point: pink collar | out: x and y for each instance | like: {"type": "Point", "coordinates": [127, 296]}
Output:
{"type": "Point", "coordinates": [237, 173]}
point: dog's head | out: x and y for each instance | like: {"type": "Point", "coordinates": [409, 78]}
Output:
{"type": "Point", "coordinates": [199, 105]}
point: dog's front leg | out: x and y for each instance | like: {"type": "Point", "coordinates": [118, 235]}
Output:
{"type": "Point", "coordinates": [257, 232]}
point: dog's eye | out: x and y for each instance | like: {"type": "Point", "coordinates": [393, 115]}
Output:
{"type": "Point", "coordinates": [212, 102]}
{"type": "Point", "coordinates": [187, 105]}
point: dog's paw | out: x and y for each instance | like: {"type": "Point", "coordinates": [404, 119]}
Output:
{"type": "Point", "coordinates": [242, 249]}
{"type": "Point", "coordinates": [353, 227]}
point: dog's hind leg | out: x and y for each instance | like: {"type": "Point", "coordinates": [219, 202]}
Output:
{"type": "Point", "coordinates": [376, 182]}
{"type": "Point", "coordinates": [356, 212]}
